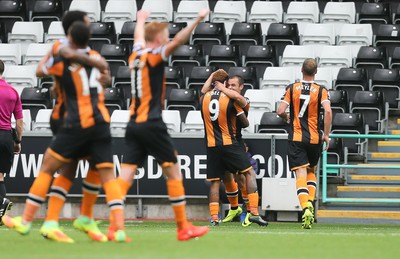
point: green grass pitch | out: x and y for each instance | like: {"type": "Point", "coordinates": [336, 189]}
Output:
{"type": "Point", "coordinates": [230, 240]}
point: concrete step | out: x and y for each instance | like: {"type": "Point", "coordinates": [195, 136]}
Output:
{"type": "Point", "coordinates": [375, 171]}
{"type": "Point", "coordinates": [384, 156]}
{"type": "Point", "coordinates": [368, 191]}
{"type": "Point", "coordinates": [373, 179]}
{"type": "Point", "coordinates": [358, 216]}
{"type": "Point", "coordinates": [389, 146]}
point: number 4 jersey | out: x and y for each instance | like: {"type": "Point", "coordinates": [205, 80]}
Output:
{"type": "Point", "coordinates": [219, 114]}
{"type": "Point", "coordinates": [84, 97]}
{"type": "Point", "coordinates": [305, 100]}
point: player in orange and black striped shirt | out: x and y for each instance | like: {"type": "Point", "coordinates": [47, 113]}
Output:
{"type": "Point", "coordinates": [305, 99]}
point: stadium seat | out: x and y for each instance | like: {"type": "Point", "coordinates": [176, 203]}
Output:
{"type": "Point", "coordinates": [10, 53]}
{"type": "Point", "coordinates": [248, 74]}
{"type": "Point", "coordinates": [357, 34]}
{"type": "Point", "coordinates": [371, 105]}
{"type": "Point", "coordinates": [12, 11]}
{"type": "Point", "coordinates": [114, 99]}
{"type": "Point", "coordinates": [229, 12]}
{"type": "Point", "coordinates": [161, 11]}
{"type": "Point", "coordinates": [172, 120]}
{"type": "Point", "coordinates": [394, 59]}
{"type": "Point", "coordinates": [47, 11]}
{"type": "Point", "coordinates": [54, 33]}
{"type": "Point", "coordinates": [260, 100]}
{"type": "Point", "coordinates": [260, 57]}
{"type": "Point", "coordinates": [119, 11]}
{"type": "Point", "coordinates": [335, 151]}
{"type": "Point", "coordinates": [193, 122]}
{"type": "Point", "coordinates": [123, 81]}
{"type": "Point", "coordinates": [254, 118]}
{"type": "Point", "coordinates": [352, 123]}
{"type": "Point", "coordinates": [323, 77]}
{"type": "Point", "coordinates": [339, 101]}
{"type": "Point", "coordinates": [396, 16]}
{"type": "Point", "coordinates": [92, 7]}
{"type": "Point", "coordinates": [27, 119]}
{"type": "Point", "coordinates": [35, 52]}
{"type": "Point", "coordinates": [187, 56]}
{"type": "Point", "coordinates": [245, 35]}
{"type": "Point", "coordinates": [224, 56]}
{"type": "Point", "coordinates": [352, 80]}
{"type": "Point", "coordinates": [388, 35]}
{"type": "Point", "coordinates": [371, 58]}
{"type": "Point", "coordinates": [318, 34]}
{"type": "Point", "coordinates": [175, 27]}
{"type": "Point", "coordinates": [174, 79]}
{"type": "Point", "coordinates": [42, 120]}
{"type": "Point", "coordinates": [265, 13]}
{"type": "Point", "coordinates": [302, 12]}
{"type": "Point", "coordinates": [278, 77]}
{"type": "Point", "coordinates": [187, 10]}
{"type": "Point", "coordinates": [119, 120]}
{"type": "Point", "coordinates": [20, 76]}
{"type": "Point", "coordinates": [294, 56]}
{"type": "Point", "coordinates": [375, 14]}
{"type": "Point", "coordinates": [26, 33]}
{"type": "Point", "coordinates": [126, 35]}
{"type": "Point", "coordinates": [271, 123]}
{"type": "Point", "coordinates": [388, 82]}
{"type": "Point", "coordinates": [182, 100]}
{"type": "Point", "coordinates": [209, 34]}
{"type": "Point", "coordinates": [3, 34]}
{"type": "Point", "coordinates": [339, 12]}
{"type": "Point", "coordinates": [280, 35]}
{"type": "Point", "coordinates": [198, 77]}
{"type": "Point", "coordinates": [101, 33]}
{"type": "Point", "coordinates": [116, 56]}
{"type": "Point", "coordinates": [35, 99]}
{"type": "Point", "coordinates": [340, 56]}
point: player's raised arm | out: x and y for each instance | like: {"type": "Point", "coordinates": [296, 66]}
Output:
{"type": "Point", "coordinates": [183, 36]}
{"type": "Point", "coordinates": [208, 84]}
{"type": "Point", "coordinates": [93, 61]}
{"type": "Point", "coordinates": [141, 17]}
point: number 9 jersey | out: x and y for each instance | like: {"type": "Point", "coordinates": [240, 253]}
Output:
{"type": "Point", "coordinates": [219, 114]}
{"type": "Point", "coordinates": [305, 100]}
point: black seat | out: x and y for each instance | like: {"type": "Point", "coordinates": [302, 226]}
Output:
{"type": "Point", "coordinates": [371, 58]}
{"type": "Point", "coordinates": [396, 16]}
{"type": "Point", "coordinates": [395, 59]}
{"type": "Point", "coordinates": [114, 99]}
{"type": "Point", "coordinates": [261, 57]}
{"type": "Point", "coordinates": [183, 100]}
{"type": "Point", "coordinates": [224, 56]}
{"type": "Point", "coordinates": [209, 34]}
{"type": "Point", "coordinates": [173, 79]}
{"type": "Point", "coordinates": [388, 35]}
{"type": "Point", "coordinates": [388, 82]}
{"type": "Point", "coordinates": [271, 123]}
{"type": "Point", "coordinates": [245, 35]}
{"type": "Point", "coordinates": [3, 34]}
{"type": "Point", "coordinates": [47, 11]}
{"type": "Point", "coordinates": [12, 11]}
{"type": "Point", "coordinates": [187, 56]}
{"type": "Point", "coordinates": [175, 27]}
{"type": "Point", "coordinates": [335, 151]}
{"type": "Point", "coordinates": [375, 14]}
{"type": "Point", "coordinates": [339, 101]}
{"type": "Point", "coordinates": [352, 80]}
{"type": "Point", "coordinates": [123, 81]}
{"type": "Point", "coordinates": [102, 33]}
{"type": "Point", "coordinates": [116, 56]}
{"type": "Point", "coordinates": [349, 123]}
{"type": "Point", "coordinates": [282, 34]}
{"type": "Point", "coordinates": [371, 105]}
{"type": "Point", "coordinates": [198, 77]}
{"type": "Point", "coordinates": [247, 73]}
{"type": "Point", "coordinates": [35, 99]}
{"type": "Point", "coordinates": [126, 35]}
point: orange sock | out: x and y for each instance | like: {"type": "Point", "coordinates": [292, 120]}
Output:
{"type": "Point", "coordinates": [37, 195]}
{"type": "Point", "coordinates": [115, 203]}
{"type": "Point", "coordinates": [214, 209]}
{"type": "Point", "coordinates": [302, 191]}
{"type": "Point", "coordinates": [311, 185]}
{"type": "Point", "coordinates": [58, 192]}
{"type": "Point", "coordinates": [232, 193]}
{"type": "Point", "coordinates": [176, 194]}
{"type": "Point", "coordinates": [245, 198]}
{"type": "Point", "coordinates": [90, 189]}
{"type": "Point", "coordinates": [125, 185]}
{"type": "Point", "coordinates": [253, 202]}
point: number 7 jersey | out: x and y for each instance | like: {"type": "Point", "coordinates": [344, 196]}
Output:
{"type": "Point", "coordinates": [305, 100]}
{"type": "Point", "coordinates": [219, 114]}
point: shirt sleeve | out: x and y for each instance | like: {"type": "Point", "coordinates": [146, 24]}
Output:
{"type": "Point", "coordinates": [54, 66]}
{"type": "Point", "coordinates": [18, 108]}
{"type": "Point", "coordinates": [286, 97]}
{"type": "Point", "coordinates": [239, 110]}
{"type": "Point", "coordinates": [325, 96]}
{"type": "Point", "coordinates": [157, 56]}
{"type": "Point", "coordinates": [247, 107]}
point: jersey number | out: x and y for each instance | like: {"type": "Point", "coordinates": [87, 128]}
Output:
{"type": "Point", "coordinates": [91, 82]}
{"type": "Point", "coordinates": [304, 101]}
{"type": "Point", "coordinates": [213, 108]}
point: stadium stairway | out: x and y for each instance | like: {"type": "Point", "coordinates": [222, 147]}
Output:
{"type": "Point", "coordinates": [371, 186]}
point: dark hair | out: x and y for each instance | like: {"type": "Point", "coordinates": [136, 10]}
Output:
{"type": "Point", "coordinates": [1, 67]}
{"type": "Point", "coordinates": [80, 34]}
{"type": "Point", "coordinates": [309, 67]}
{"type": "Point", "coordinates": [70, 17]}
{"type": "Point", "coordinates": [239, 78]}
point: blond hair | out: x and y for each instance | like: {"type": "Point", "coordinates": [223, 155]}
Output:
{"type": "Point", "coordinates": [151, 30]}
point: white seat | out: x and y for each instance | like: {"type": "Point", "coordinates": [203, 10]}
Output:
{"type": "Point", "coordinates": [161, 11]}
{"type": "Point", "coordinates": [42, 121]}
{"type": "Point", "coordinates": [20, 76]}
{"type": "Point", "coordinates": [172, 120]}
{"type": "Point", "coordinates": [119, 12]}
{"type": "Point", "coordinates": [187, 10]}
{"type": "Point", "coordinates": [277, 77]}
{"type": "Point", "coordinates": [27, 119]}
{"type": "Point", "coordinates": [302, 12]}
{"type": "Point", "coordinates": [324, 77]}
{"type": "Point", "coordinates": [119, 119]}
{"type": "Point", "coordinates": [10, 53]}
{"type": "Point", "coordinates": [35, 53]}
{"type": "Point", "coordinates": [259, 99]}
{"type": "Point", "coordinates": [55, 32]}
{"type": "Point", "coordinates": [265, 13]}
{"type": "Point", "coordinates": [358, 34]}
{"type": "Point", "coordinates": [91, 7]}
{"type": "Point", "coordinates": [336, 56]}
{"type": "Point", "coordinates": [321, 34]}
{"type": "Point", "coordinates": [193, 122]}
{"type": "Point", "coordinates": [26, 33]}
{"type": "Point", "coordinates": [294, 55]}
{"type": "Point", "coordinates": [339, 12]}
{"type": "Point", "coordinates": [229, 12]}
{"type": "Point", "coordinates": [254, 118]}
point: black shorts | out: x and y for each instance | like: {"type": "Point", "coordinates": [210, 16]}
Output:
{"type": "Point", "coordinates": [149, 138]}
{"type": "Point", "coordinates": [55, 125]}
{"type": "Point", "coordinates": [303, 154]}
{"type": "Point", "coordinates": [230, 158]}
{"type": "Point", "coordinates": [6, 151]}
{"type": "Point", "coordinates": [94, 142]}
